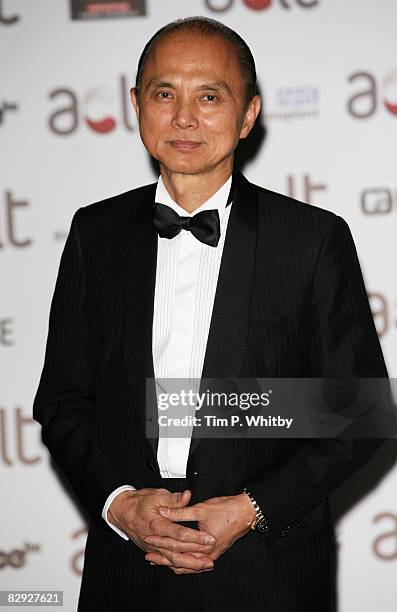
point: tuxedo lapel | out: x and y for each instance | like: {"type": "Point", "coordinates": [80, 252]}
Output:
{"type": "Point", "coordinates": [228, 328]}
{"type": "Point", "coordinates": [139, 304]}
{"type": "Point", "coordinates": [230, 315]}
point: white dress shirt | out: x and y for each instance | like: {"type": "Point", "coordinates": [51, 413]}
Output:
{"type": "Point", "coordinates": [186, 280]}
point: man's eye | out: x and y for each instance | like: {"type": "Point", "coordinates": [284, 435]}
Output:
{"type": "Point", "coordinates": [210, 96]}
{"type": "Point", "coordinates": [163, 94]}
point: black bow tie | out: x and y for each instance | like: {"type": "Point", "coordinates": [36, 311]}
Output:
{"type": "Point", "coordinates": [205, 225]}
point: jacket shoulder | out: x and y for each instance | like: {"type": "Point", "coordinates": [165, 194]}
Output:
{"type": "Point", "coordinates": [291, 217]}
{"type": "Point", "coordinates": [287, 205]}
{"type": "Point", "coordinates": [115, 210]}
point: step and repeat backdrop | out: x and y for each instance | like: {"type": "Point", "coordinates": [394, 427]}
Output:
{"type": "Point", "coordinates": [327, 73]}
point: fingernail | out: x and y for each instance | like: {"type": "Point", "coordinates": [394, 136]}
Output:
{"type": "Point", "coordinates": [165, 511]}
{"type": "Point", "coordinates": [151, 563]}
{"type": "Point", "coordinates": [210, 540]}
{"type": "Point", "coordinates": [209, 566]}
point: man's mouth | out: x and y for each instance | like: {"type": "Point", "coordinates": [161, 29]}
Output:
{"type": "Point", "coordinates": [184, 145]}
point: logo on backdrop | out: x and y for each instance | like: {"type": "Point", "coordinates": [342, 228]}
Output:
{"type": "Point", "coordinates": [105, 9]}
{"type": "Point", "coordinates": [304, 188]}
{"type": "Point", "coordinates": [18, 437]}
{"type": "Point", "coordinates": [383, 312]}
{"type": "Point", "coordinates": [294, 102]}
{"type": "Point", "coordinates": [7, 332]}
{"type": "Point", "coordinates": [10, 208]}
{"type": "Point", "coordinates": [5, 18]}
{"type": "Point", "coordinates": [220, 6]}
{"type": "Point", "coordinates": [101, 109]}
{"type": "Point", "coordinates": [372, 94]}
{"type": "Point", "coordinates": [77, 560]}
{"type": "Point", "coordinates": [16, 558]}
{"type": "Point", "coordinates": [378, 201]}
{"type": "Point", "coordinates": [6, 107]}
{"type": "Point", "coordinates": [385, 544]}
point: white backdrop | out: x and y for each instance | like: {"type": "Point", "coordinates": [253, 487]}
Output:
{"type": "Point", "coordinates": [328, 75]}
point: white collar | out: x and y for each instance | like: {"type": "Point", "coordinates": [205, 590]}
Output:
{"type": "Point", "coordinates": [218, 200]}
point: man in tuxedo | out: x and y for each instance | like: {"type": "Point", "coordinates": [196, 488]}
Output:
{"type": "Point", "coordinates": [202, 274]}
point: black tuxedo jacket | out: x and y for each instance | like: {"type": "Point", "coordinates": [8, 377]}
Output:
{"type": "Point", "coordinates": [290, 302]}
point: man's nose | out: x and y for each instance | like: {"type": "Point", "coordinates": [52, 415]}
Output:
{"type": "Point", "coordinates": [185, 115]}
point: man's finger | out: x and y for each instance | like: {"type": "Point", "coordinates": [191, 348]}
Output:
{"type": "Point", "coordinates": [179, 499]}
{"type": "Point", "coordinates": [182, 533]}
{"type": "Point", "coordinates": [179, 560]}
{"type": "Point", "coordinates": [155, 558]}
{"type": "Point", "coordinates": [176, 545]}
{"type": "Point", "coordinates": [180, 514]}
{"type": "Point", "coordinates": [181, 570]}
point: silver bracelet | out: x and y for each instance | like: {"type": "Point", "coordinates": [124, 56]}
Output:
{"type": "Point", "coordinates": [258, 512]}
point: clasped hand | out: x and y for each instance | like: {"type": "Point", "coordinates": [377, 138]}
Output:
{"type": "Point", "coordinates": [150, 518]}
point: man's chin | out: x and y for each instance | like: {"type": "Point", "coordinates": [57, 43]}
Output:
{"type": "Point", "coordinates": [184, 167]}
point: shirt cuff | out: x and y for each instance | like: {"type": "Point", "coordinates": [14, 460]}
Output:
{"type": "Point", "coordinates": [107, 505]}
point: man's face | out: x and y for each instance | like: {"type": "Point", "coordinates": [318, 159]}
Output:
{"type": "Point", "coordinates": [191, 107]}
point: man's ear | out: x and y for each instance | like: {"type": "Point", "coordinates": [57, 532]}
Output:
{"type": "Point", "coordinates": [134, 100]}
{"type": "Point", "coordinates": [251, 114]}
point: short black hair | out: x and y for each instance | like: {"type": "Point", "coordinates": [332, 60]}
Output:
{"type": "Point", "coordinates": [207, 27]}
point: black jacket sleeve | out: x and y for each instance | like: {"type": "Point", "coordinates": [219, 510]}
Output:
{"type": "Point", "coordinates": [64, 404]}
{"type": "Point", "coordinates": [343, 343]}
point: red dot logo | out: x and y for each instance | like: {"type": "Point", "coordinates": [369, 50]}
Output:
{"type": "Point", "coordinates": [107, 124]}
{"type": "Point", "coordinates": [390, 93]}
{"type": "Point", "coordinates": [258, 5]}
{"type": "Point", "coordinates": [97, 116]}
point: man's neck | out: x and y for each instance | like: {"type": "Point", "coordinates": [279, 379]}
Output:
{"type": "Point", "coordinates": [191, 190]}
